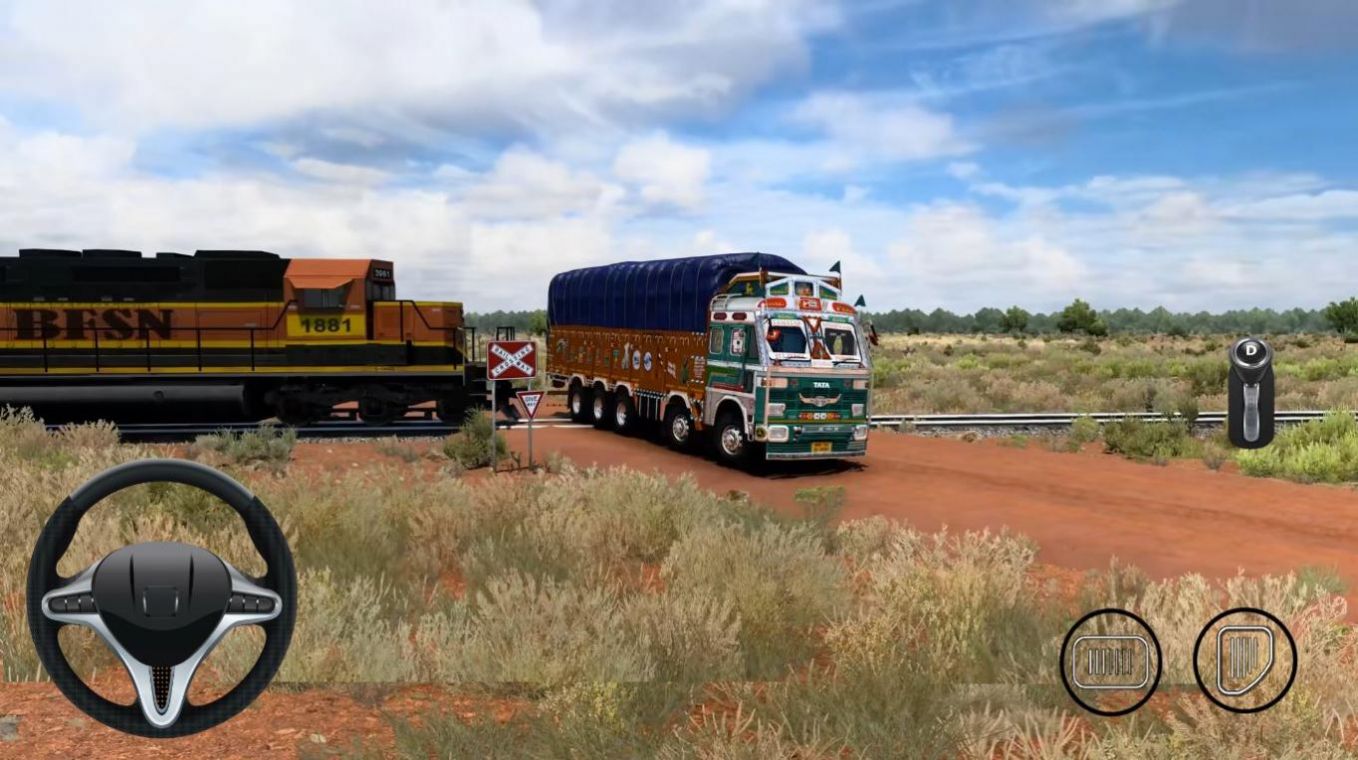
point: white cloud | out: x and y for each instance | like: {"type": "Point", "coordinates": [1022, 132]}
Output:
{"type": "Point", "coordinates": [864, 128]}
{"type": "Point", "coordinates": [665, 172]}
{"type": "Point", "coordinates": [341, 174]}
{"type": "Point", "coordinates": [140, 65]}
{"type": "Point", "coordinates": [526, 184]}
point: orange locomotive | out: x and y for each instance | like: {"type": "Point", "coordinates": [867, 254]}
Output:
{"type": "Point", "coordinates": [291, 337]}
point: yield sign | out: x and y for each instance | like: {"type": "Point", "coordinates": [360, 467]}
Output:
{"type": "Point", "coordinates": [530, 400]}
{"type": "Point", "coordinates": [511, 360]}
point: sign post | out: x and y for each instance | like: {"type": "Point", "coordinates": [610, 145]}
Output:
{"type": "Point", "coordinates": [530, 401]}
{"type": "Point", "coordinates": [508, 360]}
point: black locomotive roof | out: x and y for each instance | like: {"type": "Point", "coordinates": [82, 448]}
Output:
{"type": "Point", "coordinates": [114, 274]}
{"type": "Point", "coordinates": [121, 253]}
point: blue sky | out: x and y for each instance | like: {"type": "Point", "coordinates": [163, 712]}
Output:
{"type": "Point", "coordinates": [1197, 154]}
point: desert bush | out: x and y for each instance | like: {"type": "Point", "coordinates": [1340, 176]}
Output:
{"type": "Point", "coordinates": [1214, 455]}
{"type": "Point", "coordinates": [267, 445]}
{"type": "Point", "coordinates": [1324, 451]}
{"type": "Point", "coordinates": [781, 581]}
{"type": "Point", "coordinates": [820, 504]}
{"type": "Point", "coordinates": [1138, 439]}
{"type": "Point", "coordinates": [471, 446]}
{"type": "Point", "coordinates": [1084, 430]}
{"type": "Point", "coordinates": [403, 450]}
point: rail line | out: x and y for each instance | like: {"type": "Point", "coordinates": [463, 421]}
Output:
{"type": "Point", "coordinates": [343, 426]}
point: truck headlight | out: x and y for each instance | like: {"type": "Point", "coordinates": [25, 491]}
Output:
{"type": "Point", "coordinates": [857, 410]}
{"type": "Point", "coordinates": [775, 382]}
{"type": "Point", "coordinates": [860, 385]}
{"type": "Point", "coordinates": [778, 433]}
{"type": "Point", "coordinates": [777, 409]}
{"type": "Point", "coordinates": [860, 432]}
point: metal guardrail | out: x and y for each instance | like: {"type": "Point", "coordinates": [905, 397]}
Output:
{"type": "Point", "coordinates": [1059, 419]}
{"type": "Point", "coordinates": [422, 423]}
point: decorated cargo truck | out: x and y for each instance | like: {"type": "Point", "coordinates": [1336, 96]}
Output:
{"type": "Point", "coordinates": [746, 350]}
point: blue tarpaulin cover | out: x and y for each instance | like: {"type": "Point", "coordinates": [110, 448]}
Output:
{"type": "Point", "coordinates": [665, 294]}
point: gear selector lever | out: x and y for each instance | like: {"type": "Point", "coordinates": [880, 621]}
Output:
{"type": "Point", "coordinates": [1250, 418]}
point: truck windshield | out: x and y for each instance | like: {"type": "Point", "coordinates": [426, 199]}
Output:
{"type": "Point", "coordinates": [786, 339]}
{"type": "Point", "coordinates": [841, 342]}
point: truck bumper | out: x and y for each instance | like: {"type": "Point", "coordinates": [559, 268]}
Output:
{"type": "Point", "coordinates": [810, 455]}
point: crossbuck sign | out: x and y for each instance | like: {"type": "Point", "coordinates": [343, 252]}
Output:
{"type": "Point", "coordinates": [512, 360]}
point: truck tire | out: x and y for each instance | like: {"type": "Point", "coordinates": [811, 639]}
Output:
{"type": "Point", "coordinates": [601, 406]}
{"type": "Point", "coordinates": [625, 420]}
{"type": "Point", "coordinates": [580, 403]}
{"type": "Point", "coordinates": [678, 427]}
{"type": "Point", "coordinates": [728, 437]}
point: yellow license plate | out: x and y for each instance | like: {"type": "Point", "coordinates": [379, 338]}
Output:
{"type": "Point", "coordinates": [820, 447]}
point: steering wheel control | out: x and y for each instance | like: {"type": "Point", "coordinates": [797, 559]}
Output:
{"type": "Point", "coordinates": [1250, 418]}
{"type": "Point", "coordinates": [162, 606]}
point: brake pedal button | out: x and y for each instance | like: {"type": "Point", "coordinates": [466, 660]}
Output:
{"type": "Point", "coordinates": [1245, 660]}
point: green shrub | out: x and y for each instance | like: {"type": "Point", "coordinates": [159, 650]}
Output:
{"type": "Point", "coordinates": [1324, 451]}
{"type": "Point", "coordinates": [1154, 441]}
{"type": "Point", "coordinates": [1084, 430]}
{"type": "Point", "coordinates": [267, 445]}
{"type": "Point", "coordinates": [471, 446]}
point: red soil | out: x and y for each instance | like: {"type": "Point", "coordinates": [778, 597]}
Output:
{"type": "Point", "coordinates": [1082, 509]}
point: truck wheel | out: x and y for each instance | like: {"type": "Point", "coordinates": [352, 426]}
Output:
{"type": "Point", "coordinates": [733, 446]}
{"type": "Point", "coordinates": [624, 413]}
{"type": "Point", "coordinates": [580, 404]}
{"type": "Point", "coordinates": [601, 405]}
{"type": "Point", "coordinates": [678, 427]}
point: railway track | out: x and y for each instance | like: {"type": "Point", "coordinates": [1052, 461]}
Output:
{"type": "Point", "coordinates": [347, 426]}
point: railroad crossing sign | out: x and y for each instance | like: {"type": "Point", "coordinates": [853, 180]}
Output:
{"type": "Point", "coordinates": [512, 360]}
{"type": "Point", "coordinates": [530, 400]}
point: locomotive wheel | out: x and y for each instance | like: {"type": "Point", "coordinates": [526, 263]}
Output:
{"type": "Point", "coordinates": [298, 413]}
{"type": "Point", "coordinates": [376, 411]}
{"type": "Point", "coordinates": [452, 410]}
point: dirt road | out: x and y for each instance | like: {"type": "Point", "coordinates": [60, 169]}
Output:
{"type": "Point", "coordinates": [1082, 509]}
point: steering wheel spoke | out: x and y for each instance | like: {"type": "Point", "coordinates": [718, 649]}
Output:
{"type": "Point", "coordinates": [162, 607]}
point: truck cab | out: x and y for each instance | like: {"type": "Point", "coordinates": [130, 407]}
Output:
{"type": "Point", "coordinates": [788, 370]}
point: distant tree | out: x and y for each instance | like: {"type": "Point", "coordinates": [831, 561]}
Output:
{"type": "Point", "coordinates": [537, 323]}
{"type": "Point", "coordinates": [1081, 317]}
{"type": "Point", "coordinates": [1343, 317]}
{"type": "Point", "coordinates": [1015, 320]}
{"type": "Point", "coordinates": [988, 320]}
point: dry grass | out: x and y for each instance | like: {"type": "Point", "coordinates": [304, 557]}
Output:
{"type": "Point", "coordinates": [637, 616]}
{"type": "Point", "coordinates": [960, 374]}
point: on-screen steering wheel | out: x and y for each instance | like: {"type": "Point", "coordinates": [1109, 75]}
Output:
{"type": "Point", "coordinates": [161, 607]}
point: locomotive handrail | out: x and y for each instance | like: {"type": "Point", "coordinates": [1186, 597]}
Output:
{"type": "Point", "coordinates": [251, 331]}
